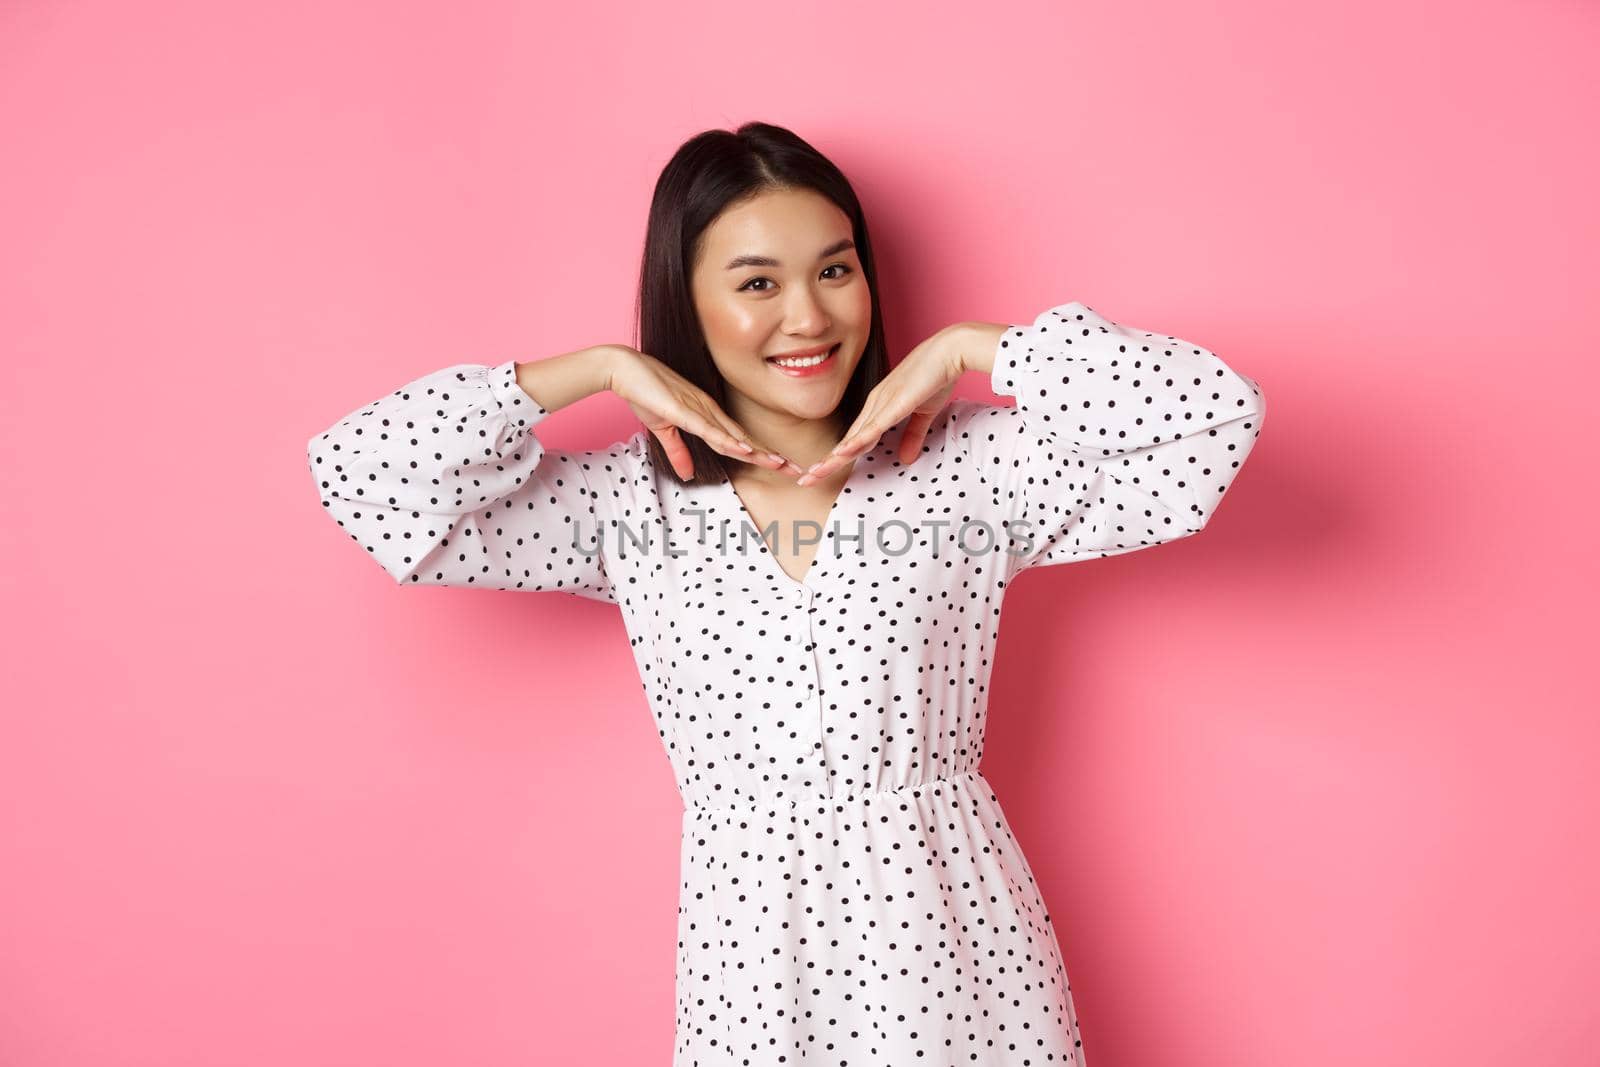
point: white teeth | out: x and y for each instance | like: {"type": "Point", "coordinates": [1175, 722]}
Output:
{"type": "Point", "coordinates": [808, 361]}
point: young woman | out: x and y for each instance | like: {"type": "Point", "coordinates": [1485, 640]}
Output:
{"type": "Point", "coordinates": [851, 891]}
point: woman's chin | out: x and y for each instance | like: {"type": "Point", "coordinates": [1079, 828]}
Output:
{"type": "Point", "coordinates": [810, 411]}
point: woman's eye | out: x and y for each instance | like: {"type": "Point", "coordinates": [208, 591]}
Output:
{"type": "Point", "coordinates": [845, 267]}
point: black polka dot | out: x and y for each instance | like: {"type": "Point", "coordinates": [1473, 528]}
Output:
{"type": "Point", "coordinates": [851, 893]}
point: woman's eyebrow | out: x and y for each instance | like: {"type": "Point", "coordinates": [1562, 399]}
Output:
{"type": "Point", "coordinates": [767, 261]}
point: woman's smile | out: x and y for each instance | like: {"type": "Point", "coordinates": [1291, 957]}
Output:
{"type": "Point", "coordinates": [805, 366]}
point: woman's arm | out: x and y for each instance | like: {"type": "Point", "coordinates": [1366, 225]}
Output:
{"type": "Point", "coordinates": [557, 381]}
{"type": "Point", "coordinates": [1120, 439]}
{"type": "Point", "coordinates": [444, 481]}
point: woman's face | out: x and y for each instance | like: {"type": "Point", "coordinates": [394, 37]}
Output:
{"type": "Point", "coordinates": [778, 274]}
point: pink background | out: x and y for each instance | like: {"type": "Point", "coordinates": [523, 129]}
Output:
{"type": "Point", "coordinates": [1316, 787]}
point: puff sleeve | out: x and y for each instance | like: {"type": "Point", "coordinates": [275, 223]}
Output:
{"type": "Point", "coordinates": [1120, 439]}
{"type": "Point", "coordinates": [444, 482]}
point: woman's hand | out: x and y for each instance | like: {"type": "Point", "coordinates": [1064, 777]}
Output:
{"type": "Point", "coordinates": [919, 386]}
{"type": "Point", "coordinates": [667, 403]}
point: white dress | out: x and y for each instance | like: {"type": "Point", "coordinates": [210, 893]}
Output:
{"type": "Point", "coordinates": [851, 892]}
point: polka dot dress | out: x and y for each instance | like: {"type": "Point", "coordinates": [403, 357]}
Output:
{"type": "Point", "coordinates": [851, 893]}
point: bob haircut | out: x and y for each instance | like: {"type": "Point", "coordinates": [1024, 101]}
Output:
{"type": "Point", "coordinates": [709, 173]}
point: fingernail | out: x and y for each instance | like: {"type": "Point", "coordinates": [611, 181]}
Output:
{"type": "Point", "coordinates": [774, 455]}
{"type": "Point", "coordinates": [747, 446]}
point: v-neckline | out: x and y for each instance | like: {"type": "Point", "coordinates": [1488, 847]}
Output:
{"type": "Point", "coordinates": [742, 513]}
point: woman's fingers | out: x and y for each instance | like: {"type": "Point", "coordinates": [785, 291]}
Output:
{"type": "Point", "coordinates": [763, 456]}
{"type": "Point", "coordinates": [730, 441]}
{"type": "Point", "coordinates": [677, 452]}
{"type": "Point", "coordinates": [670, 406]}
{"type": "Point", "coordinates": [713, 434]}
{"type": "Point", "coordinates": [869, 426]}
{"type": "Point", "coordinates": [876, 419]}
{"type": "Point", "coordinates": [759, 455]}
{"type": "Point", "coordinates": [911, 438]}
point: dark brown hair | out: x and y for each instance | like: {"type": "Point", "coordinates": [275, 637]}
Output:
{"type": "Point", "coordinates": [709, 173]}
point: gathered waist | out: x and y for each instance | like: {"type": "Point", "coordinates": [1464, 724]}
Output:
{"type": "Point", "coordinates": [818, 803]}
